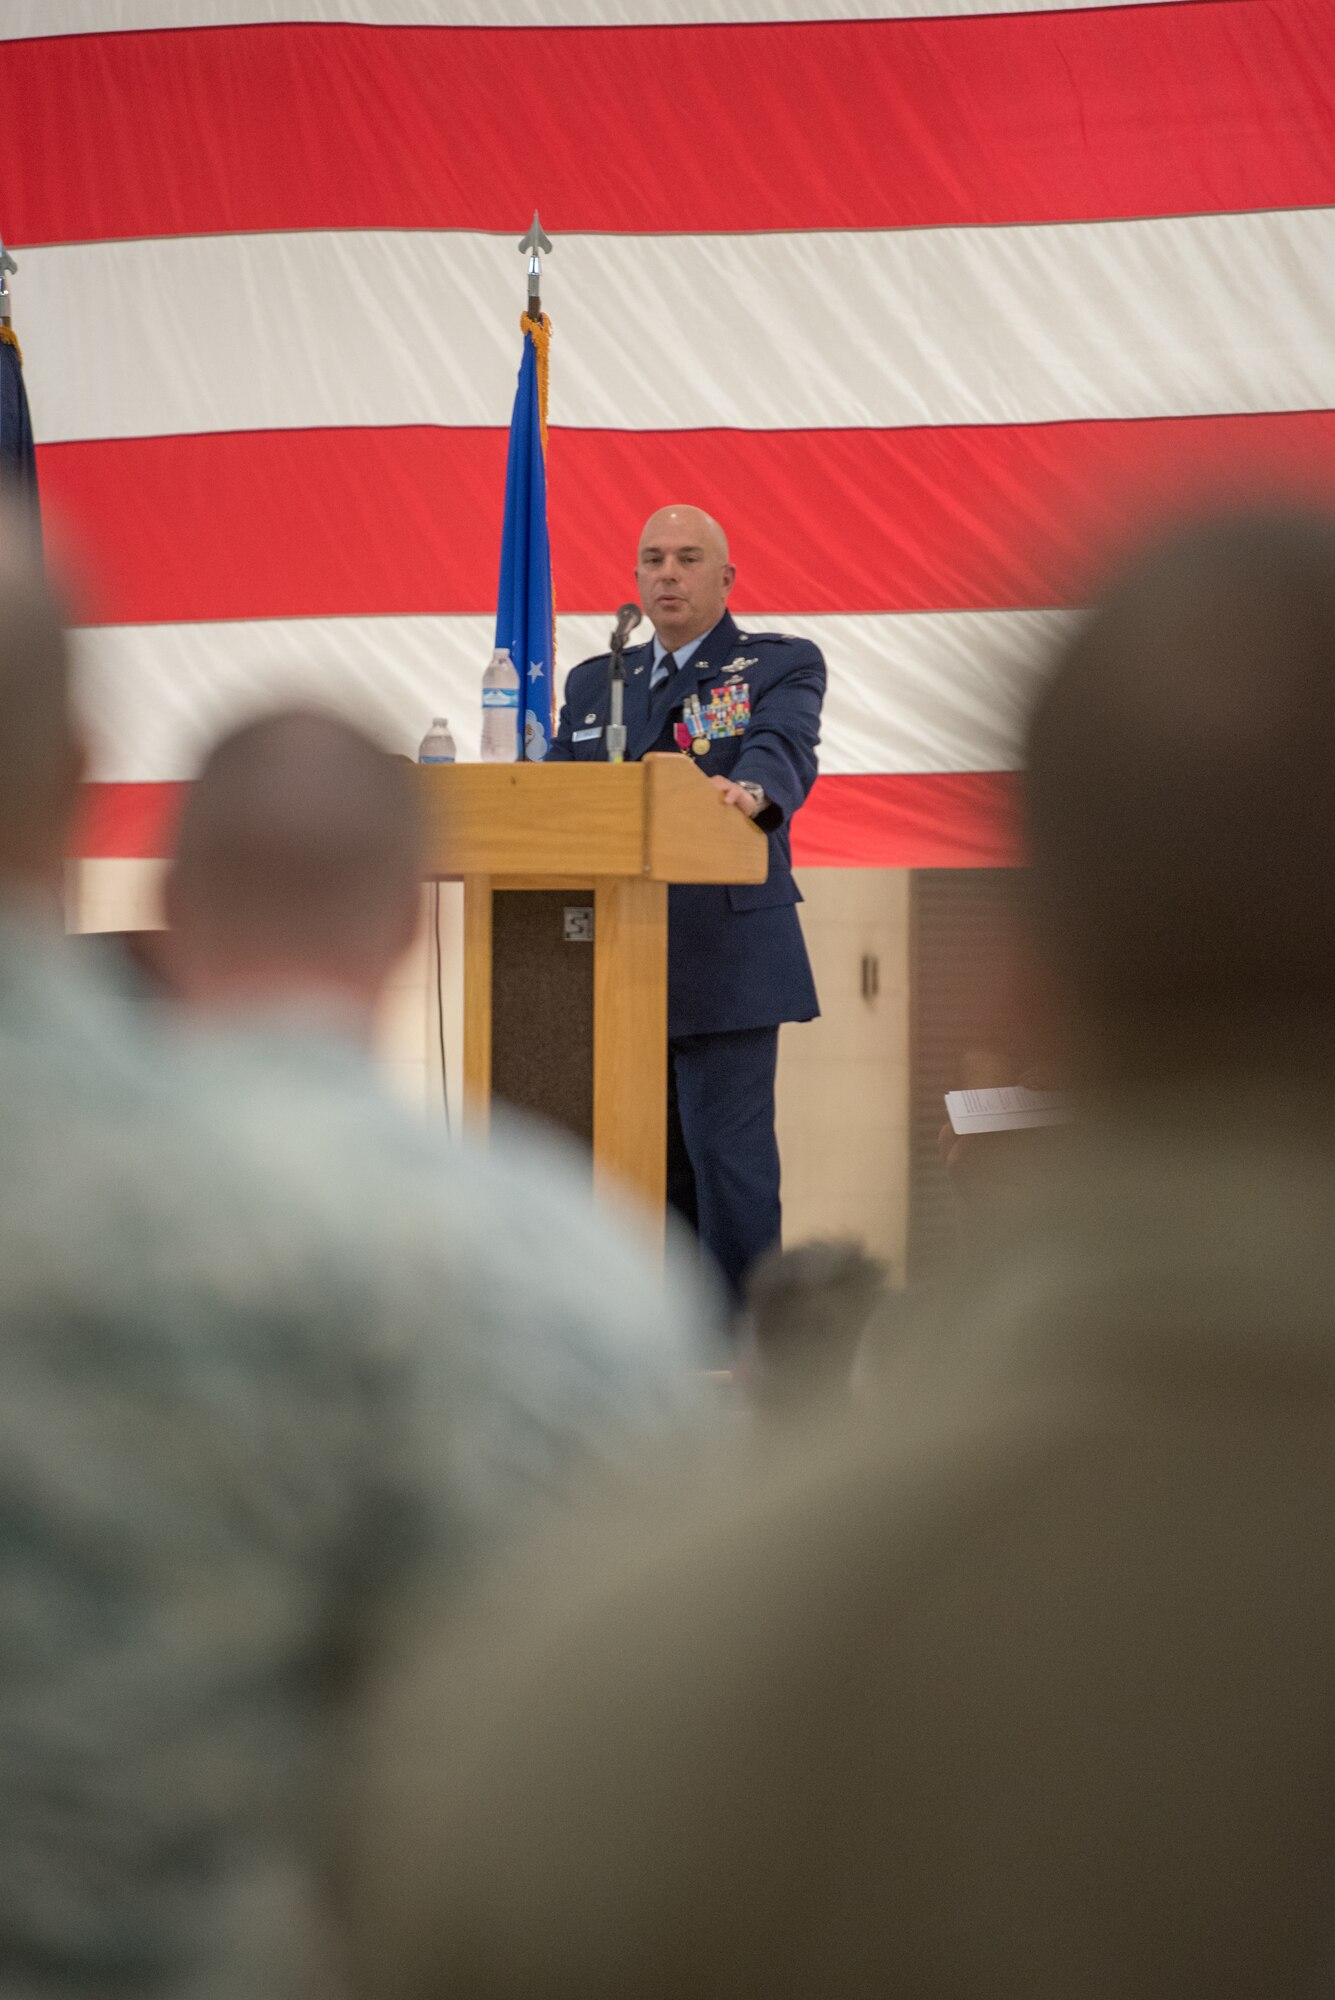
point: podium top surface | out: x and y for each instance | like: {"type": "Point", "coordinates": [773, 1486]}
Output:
{"type": "Point", "coordinates": [661, 819]}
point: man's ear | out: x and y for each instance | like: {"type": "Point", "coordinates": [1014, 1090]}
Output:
{"type": "Point", "coordinates": [729, 577]}
{"type": "Point", "coordinates": [71, 770]}
{"type": "Point", "coordinates": [171, 959]}
{"type": "Point", "coordinates": [171, 896]}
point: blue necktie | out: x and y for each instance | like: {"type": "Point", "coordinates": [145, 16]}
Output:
{"type": "Point", "coordinates": [660, 681]}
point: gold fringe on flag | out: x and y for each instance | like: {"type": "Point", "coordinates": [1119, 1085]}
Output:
{"type": "Point", "coordinates": [9, 338]}
{"type": "Point", "coordinates": [540, 332]}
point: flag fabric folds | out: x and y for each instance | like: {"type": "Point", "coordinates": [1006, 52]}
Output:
{"type": "Point", "coordinates": [1035, 275]}
{"type": "Point", "coordinates": [524, 622]}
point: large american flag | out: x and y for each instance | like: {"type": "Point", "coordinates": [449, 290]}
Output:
{"type": "Point", "coordinates": [927, 302]}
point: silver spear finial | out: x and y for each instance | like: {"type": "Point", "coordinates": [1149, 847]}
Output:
{"type": "Point", "coordinates": [536, 243]}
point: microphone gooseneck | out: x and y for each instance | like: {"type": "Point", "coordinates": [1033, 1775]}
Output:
{"type": "Point", "coordinates": [628, 617]}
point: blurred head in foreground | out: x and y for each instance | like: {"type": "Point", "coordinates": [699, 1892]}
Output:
{"type": "Point", "coordinates": [297, 871]}
{"type": "Point", "coordinates": [1024, 1690]}
{"type": "Point", "coordinates": [1181, 814]}
{"type": "Point", "coordinates": [807, 1311]}
{"type": "Point", "coordinates": [40, 757]}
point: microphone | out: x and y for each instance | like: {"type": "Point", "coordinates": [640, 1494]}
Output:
{"type": "Point", "coordinates": [628, 617]}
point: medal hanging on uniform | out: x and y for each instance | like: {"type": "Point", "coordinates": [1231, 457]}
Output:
{"type": "Point", "coordinates": [690, 731]}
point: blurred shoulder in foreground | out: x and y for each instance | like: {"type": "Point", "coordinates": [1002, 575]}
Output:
{"type": "Point", "coordinates": [256, 1395]}
{"type": "Point", "coordinates": [1025, 1687]}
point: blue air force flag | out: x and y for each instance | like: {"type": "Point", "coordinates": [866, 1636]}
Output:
{"type": "Point", "coordinates": [18, 460]}
{"type": "Point", "coordinates": [524, 620]}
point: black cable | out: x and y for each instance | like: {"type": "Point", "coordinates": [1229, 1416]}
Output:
{"type": "Point", "coordinates": [440, 1002]}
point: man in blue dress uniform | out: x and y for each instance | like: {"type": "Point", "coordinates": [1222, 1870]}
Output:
{"type": "Point", "coordinates": [746, 707]}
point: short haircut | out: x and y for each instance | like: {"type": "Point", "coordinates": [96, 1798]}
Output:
{"type": "Point", "coordinates": [1179, 793]}
{"type": "Point", "coordinates": [810, 1306]}
{"type": "Point", "coordinates": [299, 840]}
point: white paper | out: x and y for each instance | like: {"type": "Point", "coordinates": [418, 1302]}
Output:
{"type": "Point", "coordinates": [1010, 1108]}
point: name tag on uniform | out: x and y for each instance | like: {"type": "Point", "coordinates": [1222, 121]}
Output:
{"type": "Point", "coordinates": [585, 735]}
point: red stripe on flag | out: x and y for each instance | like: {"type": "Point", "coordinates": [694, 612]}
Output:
{"type": "Point", "coordinates": [126, 822]}
{"type": "Point", "coordinates": [347, 523]}
{"type": "Point", "coordinates": [934, 819]}
{"type": "Point", "coordinates": [281, 524]}
{"type": "Point", "coordinates": [937, 820]}
{"type": "Point", "coordinates": [1224, 104]}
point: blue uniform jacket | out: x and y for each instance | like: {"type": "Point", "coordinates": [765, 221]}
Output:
{"type": "Point", "coordinates": [736, 956]}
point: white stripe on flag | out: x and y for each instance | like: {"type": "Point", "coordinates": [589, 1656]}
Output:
{"type": "Point", "coordinates": [937, 691]}
{"type": "Point", "coordinates": [26, 19]}
{"type": "Point", "coordinates": [1179, 316]}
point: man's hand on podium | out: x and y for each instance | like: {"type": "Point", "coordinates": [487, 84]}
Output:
{"type": "Point", "coordinates": [749, 802]}
{"type": "Point", "coordinates": [737, 795]}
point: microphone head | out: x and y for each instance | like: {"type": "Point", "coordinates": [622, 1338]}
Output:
{"type": "Point", "coordinates": [628, 617]}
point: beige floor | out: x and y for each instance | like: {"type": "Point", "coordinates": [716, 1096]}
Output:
{"type": "Point", "coordinates": [843, 1080]}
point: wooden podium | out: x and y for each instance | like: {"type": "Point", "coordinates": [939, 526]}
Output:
{"type": "Point", "coordinates": [566, 870]}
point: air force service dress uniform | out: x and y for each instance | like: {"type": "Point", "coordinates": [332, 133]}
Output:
{"type": "Point", "coordinates": [746, 706]}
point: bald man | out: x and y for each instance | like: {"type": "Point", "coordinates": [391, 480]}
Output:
{"type": "Point", "coordinates": [292, 897]}
{"type": "Point", "coordinates": [745, 707]}
{"type": "Point", "coordinates": [296, 880]}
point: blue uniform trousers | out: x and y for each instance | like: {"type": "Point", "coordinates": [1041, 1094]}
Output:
{"type": "Point", "coordinates": [723, 1156]}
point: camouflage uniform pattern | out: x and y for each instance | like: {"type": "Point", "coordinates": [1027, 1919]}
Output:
{"type": "Point", "coordinates": [267, 1368]}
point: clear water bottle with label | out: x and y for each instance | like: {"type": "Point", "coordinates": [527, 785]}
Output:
{"type": "Point", "coordinates": [500, 709]}
{"type": "Point", "coordinates": [437, 746]}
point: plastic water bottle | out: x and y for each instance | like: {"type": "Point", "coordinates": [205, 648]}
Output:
{"type": "Point", "coordinates": [437, 746]}
{"type": "Point", "coordinates": [500, 709]}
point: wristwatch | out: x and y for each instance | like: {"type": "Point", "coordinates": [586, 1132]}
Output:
{"type": "Point", "coordinates": [757, 792]}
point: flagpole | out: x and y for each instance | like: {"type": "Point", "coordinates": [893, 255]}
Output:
{"type": "Point", "coordinates": [535, 324]}
{"type": "Point", "coordinates": [526, 614]}
{"type": "Point", "coordinates": [537, 244]}
{"type": "Point", "coordinates": [537, 327]}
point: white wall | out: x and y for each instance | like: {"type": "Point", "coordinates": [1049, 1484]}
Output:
{"type": "Point", "coordinates": [113, 895]}
{"type": "Point", "coordinates": [409, 1033]}
{"type": "Point", "coordinates": [844, 1080]}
